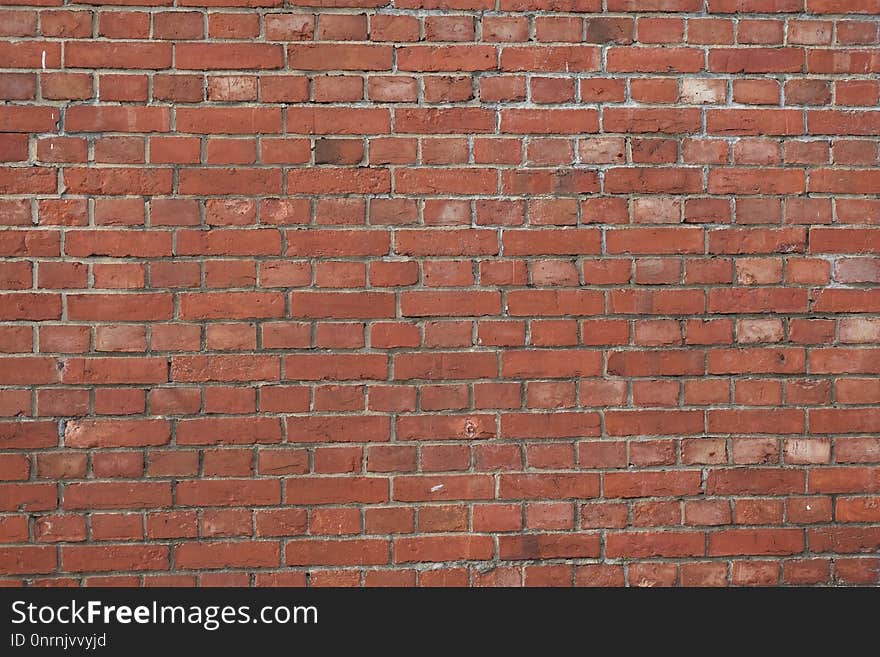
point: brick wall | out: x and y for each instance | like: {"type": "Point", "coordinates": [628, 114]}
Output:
{"type": "Point", "coordinates": [486, 292]}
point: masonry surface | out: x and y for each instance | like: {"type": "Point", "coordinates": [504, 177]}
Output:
{"type": "Point", "coordinates": [439, 292]}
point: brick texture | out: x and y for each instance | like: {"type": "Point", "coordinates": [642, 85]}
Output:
{"type": "Point", "coordinates": [439, 292]}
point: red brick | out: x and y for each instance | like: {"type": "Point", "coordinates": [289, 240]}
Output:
{"type": "Point", "coordinates": [442, 548]}
{"type": "Point", "coordinates": [756, 542]}
{"type": "Point", "coordinates": [238, 554]}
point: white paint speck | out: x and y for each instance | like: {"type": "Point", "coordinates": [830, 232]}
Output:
{"type": "Point", "coordinates": [43, 60]}
{"type": "Point", "coordinates": [434, 489]}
